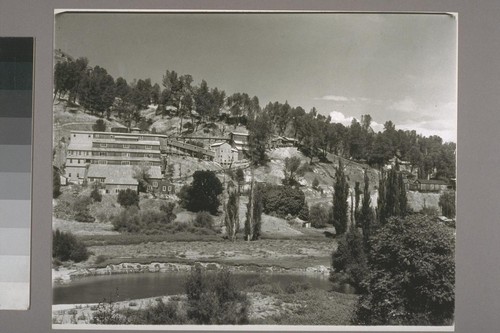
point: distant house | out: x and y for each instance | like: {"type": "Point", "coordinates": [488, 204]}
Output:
{"type": "Point", "coordinates": [240, 142]}
{"type": "Point", "coordinates": [163, 186]}
{"type": "Point", "coordinates": [169, 146]}
{"type": "Point", "coordinates": [282, 141]}
{"type": "Point", "coordinates": [224, 154]}
{"type": "Point", "coordinates": [429, 185]}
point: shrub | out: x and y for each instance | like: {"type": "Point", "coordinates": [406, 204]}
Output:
{"type": "Point", "coordinates": [159, 314]}
{"type": "Point", "coordinates": [319, 216]}
{"type": "Point", "coordinates": [214, 299]}
{"type": "Point", "coordinates": [106, 313]}
{"type": "Point", "coordinates": [95, 195]}
{"type": "Point", "coordinates": [411, 274]}
{"type": "Point", "coordinates": [127, 220]}
{"type": "Point", "coordinates": [282, 200]}
{"type": "Point", "coordinates": [152, 221]}
{"type": "Point", "coordinates": [203, 220]}
{"type": "Point", "coordinates": [296, 287]}
{"type": "Point", "coordinates": [81, 209]}
{"type": "Point", "coordinates": [350, 258]}
{"type": "Point", "coordinates": [203, 194]}
{"type": "Point", "coordinates": [99, 126]}
{"type": "Point", "coordinates": [100, 259]}
{"type": "Point", "coordinates": [127, 198]}
{"type": "Point", "coordinates": [315, 183]}
{"type": "Point", "coordinates": [65, 246]}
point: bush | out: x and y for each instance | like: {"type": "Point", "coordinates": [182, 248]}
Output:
{"type": "Point", "coordinates": [81, 209]}
{"type": "Point", "coordinates": [203, 194]}
{"type": "Point", "coordinates": [65, 246]}
{"type": "Point", "coordinates": [127, 198]}
{"type": "Point", "coordinates": [319, 216]}
{"type": "Point", "coordinates": [159, 314]}
{"type": "Point", "coordinates": [282, 200]}
{"type": "Point", "coordinates": [411, 274]}
{"type": "Point", "coordinates": [95, 195]}
{"type": "Point", "coordinates": [214, 299]}
{"type": "Point", "coordinates": [315, 183]}
{"type": "Point", "coordinates": [350, 258]}
{"type": "Point", "coordinates": [100, 259]}
{"type": "Point", "coordinates": [203, 220]}
{"type": "Point", "coordinates": [152, 221]}
{"type": "Point", "coordinates": [296, 287]}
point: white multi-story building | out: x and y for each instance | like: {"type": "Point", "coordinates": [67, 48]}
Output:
{"type": "Point", "coordinates": [109, 148]}
{"type": "Point", "coordinates": [224, 154]}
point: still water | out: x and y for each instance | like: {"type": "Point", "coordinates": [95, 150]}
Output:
{"type": "Point", "coordinates": [120, 287]}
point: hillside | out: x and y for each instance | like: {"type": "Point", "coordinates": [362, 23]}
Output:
{"type": "Point", "coordinates": [170, 125]}
{"type": "Point", "coordinates": [325, 173]}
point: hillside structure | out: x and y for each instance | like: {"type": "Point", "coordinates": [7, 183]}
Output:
{"type": "Point", "coordinates": [225, 155]}
{"type": "Point", "coordinates": [111, 149]}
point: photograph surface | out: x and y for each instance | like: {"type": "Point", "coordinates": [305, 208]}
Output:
{"type": "Point", "coordinates": [264, 168]}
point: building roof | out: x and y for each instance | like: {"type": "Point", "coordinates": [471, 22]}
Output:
{"type": "Point", "coordinates": [120, 174]}
{"type": "Point", "coordinates": [116, 174]}
{"type": "Point", "coordinates": [190, 147]}
{"type": "Point", "coordinates": [120, 140]}
{"type": "Point", "coordinates": [155, 172]}
{"type": "Point", "coordinates": [113, 133]}
{"type": "Point", "coordinates": [80, 146]}
{"type": "Point", "coordinates": [432, 181]}
{"type": "Point", "coordinates": [217, 144]}
{"type": "Point", "coordinates": [239, 133]}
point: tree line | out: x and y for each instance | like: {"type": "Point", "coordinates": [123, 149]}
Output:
{"type": "Point", "coordinates": [101, 94]}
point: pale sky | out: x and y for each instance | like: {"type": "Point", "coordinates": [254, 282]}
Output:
{"type": "Point", "coordinates": [399, 67]}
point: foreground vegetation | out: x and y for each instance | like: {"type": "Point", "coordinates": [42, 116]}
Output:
{"type": "Point", "coordinates": [214, 298]}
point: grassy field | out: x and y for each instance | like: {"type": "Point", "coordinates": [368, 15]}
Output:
{"type": "Point", "coordinates": [284, 253]}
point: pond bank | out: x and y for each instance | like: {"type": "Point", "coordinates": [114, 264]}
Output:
{"type": "Point", "coordinates": [65, 275]}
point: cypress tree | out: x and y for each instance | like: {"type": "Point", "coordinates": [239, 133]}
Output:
{"type": "Point", "coordinates": [381, 201]}
{"type": "Point", "coordinates": [231, 218]}
{"type": "Point", "coordinates": [392, 199]}
{"type": "Point", "coordinates": [340, 206]}
{"type": "Point", "coordinates": [366, 216]}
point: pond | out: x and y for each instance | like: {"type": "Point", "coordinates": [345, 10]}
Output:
{"type": "Point", "coordinates": [121, 287]}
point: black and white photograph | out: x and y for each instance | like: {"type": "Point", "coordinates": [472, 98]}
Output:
{"type": "Point", "coordinates": [254, 169]}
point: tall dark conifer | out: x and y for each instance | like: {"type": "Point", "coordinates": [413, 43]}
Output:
{"type": "Point", "coordinates": [340, 195]}
{"type": "Point", "coordinates": [366, 216]}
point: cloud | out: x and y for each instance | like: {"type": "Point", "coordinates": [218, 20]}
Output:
{"type": "Point", "coordinates": [376, 127]}
{"type": "Point", "coordinates": [405, 105]}
{"type": "Point", "coordinates": [345, 99]}
{"type": "Point", "coordinates": [445, 128]}
{"type": "Point", "coordinates": [439, 119]}
{"type": "Point", "coordinates": [339, 117]}
{"type": "Point", "coordinates": [336, 98]}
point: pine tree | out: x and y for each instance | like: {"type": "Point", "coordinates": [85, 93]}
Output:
{"type": "Point", "coordinates": [340, 206]}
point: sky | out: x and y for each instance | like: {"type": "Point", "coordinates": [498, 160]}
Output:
{"type": "Point", "coordinates": [399, 67]}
